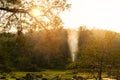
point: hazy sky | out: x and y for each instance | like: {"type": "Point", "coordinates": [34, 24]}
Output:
{"type": "Point", "coordinates": [103, 14]}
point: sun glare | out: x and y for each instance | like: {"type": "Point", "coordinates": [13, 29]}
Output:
{"type": "Point", "coordinates": [35, 12]}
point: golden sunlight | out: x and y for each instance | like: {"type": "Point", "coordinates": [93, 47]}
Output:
{"type": "Point", "coordinates": [35, 12]}
{"type": "Point", "coordinates": [102, 14]}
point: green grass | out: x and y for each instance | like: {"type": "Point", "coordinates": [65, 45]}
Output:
{"type": "Point", "coordinates": [47, 74]}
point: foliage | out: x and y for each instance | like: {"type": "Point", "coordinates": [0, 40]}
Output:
{"type": "Point", "coordinates": [32, 51]}
{"type": "Point", "coordinates": [97, 51]}
{"type": "Point", "coordinates": [17, 14]}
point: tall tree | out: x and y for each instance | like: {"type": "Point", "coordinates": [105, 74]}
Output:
{"type": "Point", "coordinates": [95, 50]}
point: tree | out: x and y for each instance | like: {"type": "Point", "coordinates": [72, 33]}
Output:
{"type": "Point", "coordinates": [6, 45]}
{"type": "Point", "coordinates": [18, 14]}
{"type": "Point", "coordinates": [50, 49]}
{"type": "Point", "coordinates": [95, 50]}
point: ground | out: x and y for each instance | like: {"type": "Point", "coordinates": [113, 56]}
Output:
{"type": "Point", "coordinates": [48, 74]}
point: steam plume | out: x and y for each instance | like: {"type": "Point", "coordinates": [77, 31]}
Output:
{"type": "Point", "coordinates": [73, 43]}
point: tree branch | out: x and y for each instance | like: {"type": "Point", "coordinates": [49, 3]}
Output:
{"type": "Point", "coordinates": [14, 10]}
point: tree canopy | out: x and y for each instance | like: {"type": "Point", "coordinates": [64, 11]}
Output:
{"type": "Point", "coordinates": [17, 14]}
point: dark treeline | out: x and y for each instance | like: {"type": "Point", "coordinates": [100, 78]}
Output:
{"type": "Point", "coordinates": [33, 51]}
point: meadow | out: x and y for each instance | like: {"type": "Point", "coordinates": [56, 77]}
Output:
{"type": "Point", "coordinates": [51, 75]}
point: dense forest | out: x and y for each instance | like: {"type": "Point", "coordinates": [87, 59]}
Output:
{"type": "Point", "coordinates": [33, 51]}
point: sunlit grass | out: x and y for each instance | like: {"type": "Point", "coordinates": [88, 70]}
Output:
{"type": "Point", "coordinates": [50, 74]}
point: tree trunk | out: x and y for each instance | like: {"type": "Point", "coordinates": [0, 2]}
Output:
{"type": "Point", "coordinates": [100, 75]}
{"type": "Point", "coordinates": [100, 71]}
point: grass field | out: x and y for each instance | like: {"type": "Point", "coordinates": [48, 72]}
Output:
{"type": "Point", "coordinates": [47, 74]}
